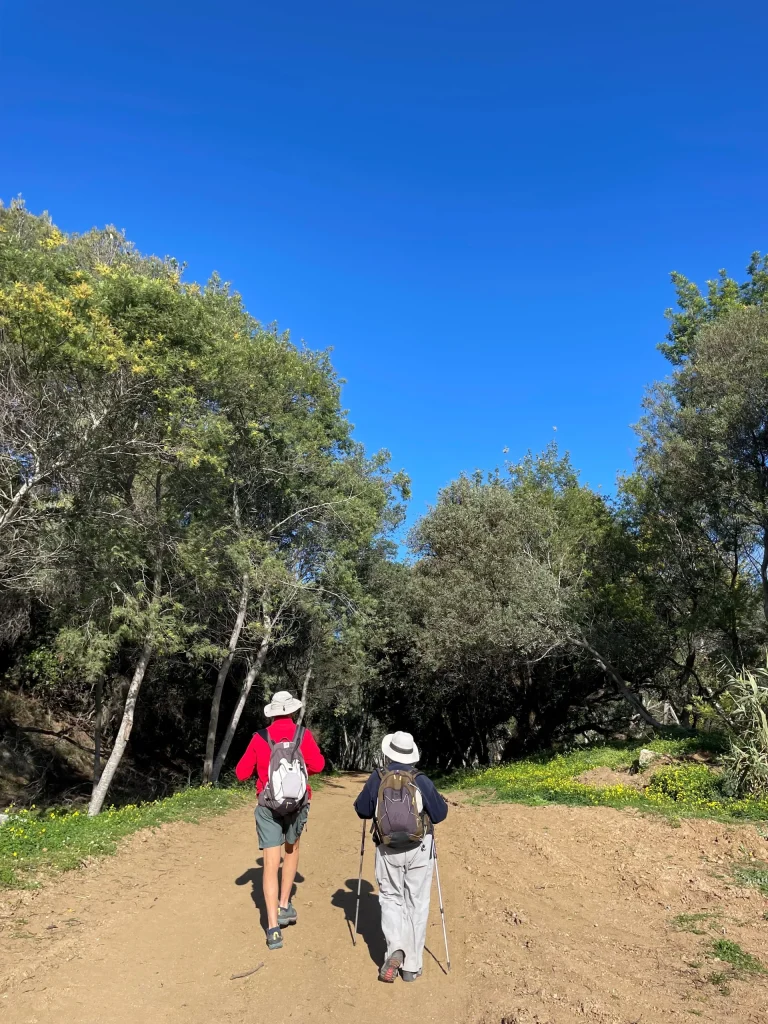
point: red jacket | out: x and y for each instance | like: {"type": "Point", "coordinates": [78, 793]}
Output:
{"type": "Point", "coordinates": [258, 753]}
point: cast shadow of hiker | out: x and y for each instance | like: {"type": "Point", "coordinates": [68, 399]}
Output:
{"type": "Point", "coordinates": [255, 876]}
{"type": "Point", "coordinates": [369, 921]}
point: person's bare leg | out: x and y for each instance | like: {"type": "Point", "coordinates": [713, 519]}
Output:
{"type": "Point", "coordinates": [269, 882]}
{"type": "Point", "coordinates": [290, 866]}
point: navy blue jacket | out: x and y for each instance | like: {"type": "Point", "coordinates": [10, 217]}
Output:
{"type": "Point", "coordinates": [434, 804]}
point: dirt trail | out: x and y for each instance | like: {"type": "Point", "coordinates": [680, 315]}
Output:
{"type": "Point", "coordinates": [555, 915]}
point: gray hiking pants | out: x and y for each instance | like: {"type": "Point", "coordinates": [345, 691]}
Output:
{"type": "Point", "coordinates": [404, 878]}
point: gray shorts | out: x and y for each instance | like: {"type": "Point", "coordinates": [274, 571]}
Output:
{"type": "Point", "coordinates": [274, 831]}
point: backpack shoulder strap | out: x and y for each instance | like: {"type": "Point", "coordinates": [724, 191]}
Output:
{"type": "Point", "coordinates": [264, 733]}
{"type": "Point", "coordinates": [298, 737]}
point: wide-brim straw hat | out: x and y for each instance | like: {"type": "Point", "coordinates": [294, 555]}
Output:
{"type": "Point", "coordinates": [283, 703]}
{"type": "Point", "coordinates": [399, 746]}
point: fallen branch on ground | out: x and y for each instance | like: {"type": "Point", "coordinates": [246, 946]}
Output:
{"type": "Point", "coordinates": [247, 974]}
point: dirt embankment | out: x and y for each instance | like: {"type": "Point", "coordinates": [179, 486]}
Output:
{"type": "Point", "coordinates": [47, 760]}
{"type": "Point", "coordinates": [555, 915]}
{"type": "Point", "coordinates": [42, 758]}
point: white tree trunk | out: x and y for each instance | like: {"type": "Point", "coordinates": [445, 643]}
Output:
{"type": "Point", "coordinates": [248, 682]}
{"type": "Point", "coordinates": [210, 746]}
{"type": "Point", "coordinates": [14, 504]}
{"type": "Point", "coordinates": [101, 788]}
{"type": "Point", "coordinates": [305, 685]}
{"type": "Point", "coordinates": [97, 730]}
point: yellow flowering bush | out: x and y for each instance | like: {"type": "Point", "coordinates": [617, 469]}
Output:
{"type": "Point", "coordinates": [685, 788]}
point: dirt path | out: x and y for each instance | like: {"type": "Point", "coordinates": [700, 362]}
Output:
{"type": "Point", "coordinates": [555, 915]}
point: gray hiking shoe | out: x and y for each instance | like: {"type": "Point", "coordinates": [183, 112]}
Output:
{"type": "Point", "coordinates": [391, 966]}
{"type": "Point", "coordinates": [274, 938]}
{"type": "Point", "coordinates": [286, 915]}
{"type": "Point", "coordinates": [410, 975]}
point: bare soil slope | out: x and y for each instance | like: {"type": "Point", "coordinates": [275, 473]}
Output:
{"type": "Point", "coordinates": [555, 915]}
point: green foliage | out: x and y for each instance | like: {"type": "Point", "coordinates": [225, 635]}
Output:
{"type": "Point", "coordinates": [180, 490]}
{"type": "Point", "coordinates": [34, 842]}
{"type": "Point", "coordinates": [491, 635]}
{"type": "Point", "coordinates": [745, 704]}
{"type": "Point", "coordinates": [753, 875]}
{"type": "Point", "coordinates": [693, 922]}
{"type": "Point", "coordinates": [162, 452]}
{"type": "Point", "coordinates": [731, 953]}
{"type": "Point", "coordinates": [686, 783]}
{"type": "Point", "coordinates": [688, 790]}
{"type": "Point", "coordinates": [696, 309]}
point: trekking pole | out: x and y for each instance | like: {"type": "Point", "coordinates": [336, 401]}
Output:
{"type": "Point", "coordinates": [440, 899]}
{"type": "Point", "coordinates": [359, 885]}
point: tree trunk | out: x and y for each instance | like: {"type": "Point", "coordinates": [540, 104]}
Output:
{"type": "Point", "coordinates": [248, 682]}
{"type": "Point", "coordinates": [97, 727]}
{"type": "Point", "coordinates": [17, 499]}
{"type": "Point", "coordinates": [345, 755]}
{"type": "Point", "coordinates": [764, 572]}
{"type": "Point", "coordinates": [302, 713]}
{"type": "Point", "coordinates": [101, 788]}
{"type": "Point", "coordinates": [620, 685]}
{"type": "Point", "coordinates": [210, 746]}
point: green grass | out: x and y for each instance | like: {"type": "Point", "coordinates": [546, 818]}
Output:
{"type": "Point", "coordinates": [741, 961]}
{"type": "Point", "coordinates": [687, 789]}
{"type": "Point", "coordinates": [720, 980]}
{"type": "Point", "coordinates": [754, 875]}
{"type": "Point", "coordinates": [34, 843]}
{"type": "Point", "coordinates": [693, 922]}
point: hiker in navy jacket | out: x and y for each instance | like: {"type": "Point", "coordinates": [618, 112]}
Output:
{"type": "Point", "coordinates": [403, 872]}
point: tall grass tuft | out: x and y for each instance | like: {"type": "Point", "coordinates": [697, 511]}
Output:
{"type": "Point", "coordinates": [746, 705]}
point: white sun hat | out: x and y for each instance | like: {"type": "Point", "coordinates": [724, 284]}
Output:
{"type": "Point", "coordinates": [399, 746]}
{"type": "Point", "coordinates": [282, 704]}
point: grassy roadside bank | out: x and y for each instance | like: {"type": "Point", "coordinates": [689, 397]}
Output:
{"type": "Point", "coordinates": [676, 784]}
{"type": "Point", "coordinates": [33, 844]}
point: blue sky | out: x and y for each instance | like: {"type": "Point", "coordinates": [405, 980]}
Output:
{"type": "Point", "coordinates": [475, 204]}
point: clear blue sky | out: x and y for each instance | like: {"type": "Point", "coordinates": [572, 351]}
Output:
{"type": "Point", "coordinates": [476, 204]}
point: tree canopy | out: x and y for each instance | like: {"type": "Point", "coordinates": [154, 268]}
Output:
{"type": "Point", "coordinates": [186, 522]}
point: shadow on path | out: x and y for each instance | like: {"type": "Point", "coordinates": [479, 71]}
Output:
{"type": "Point", "coordinates": [369, 922]}
{"type": "Point", "coordinates": [255, 876]}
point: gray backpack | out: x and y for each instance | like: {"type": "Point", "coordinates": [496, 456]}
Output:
{"type": "Point", "coordinates": [286, 788]}
{"type": "Point", "coordinates": [399, 820]}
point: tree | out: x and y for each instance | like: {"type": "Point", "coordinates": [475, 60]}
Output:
{"type": "Point", "coordinates": [507, 621]}
{"type": "Point", "coordinates": [696, 310]}
{"type": "Point", "coordinates": [706, 429]}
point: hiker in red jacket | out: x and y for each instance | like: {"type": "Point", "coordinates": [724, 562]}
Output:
{"type": "Point", "coordinates": [282, 761]}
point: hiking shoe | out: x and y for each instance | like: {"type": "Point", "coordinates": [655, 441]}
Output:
{"type": "Point", "coordinates": [286, 915]}
{"type": "Point", "coordinates": [410, 975]}
{"type": "Point", "coordinates": [274, 938]}
{"type": "Point", "coordinates": [391, 966]}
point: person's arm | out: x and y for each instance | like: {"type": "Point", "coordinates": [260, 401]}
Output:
{"type": "Point", "coordinates": [365, 805]}
{"type": "Point", "coordinates": [313, 758]}
{"type": "Point", "coordinates": [434, 803]}
{"type": "Point", "coordinates": [247, 762]}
